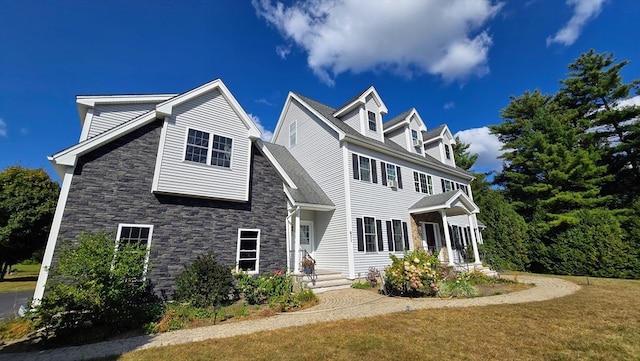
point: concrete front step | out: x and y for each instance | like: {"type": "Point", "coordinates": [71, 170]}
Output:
{"type": "Point", "coordinates": [323, 281]}
{"type": "Point", "coordinates": [466, 267]}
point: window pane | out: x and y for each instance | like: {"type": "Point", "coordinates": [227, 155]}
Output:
{"type": "Point", "coordinates": [416, 182]}
{"type": "Point", "coordinates": [248, 250]}
{"type": "Point", "coordinates": [365, 169]}
{"type": "Point", "coordinates": [397, 235]}
{"type": "Point", "coordinates": [197, 146]}
{"type": "Point", "coordinates": [247, 265]}
{"type": "Point", "coordinates": [221, 155]}
{"type": "Point", "coordinates": [391, 172]}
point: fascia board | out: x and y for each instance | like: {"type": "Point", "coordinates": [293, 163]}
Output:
{"type": "Point", "coordinates": [315, 207]}
{"type": "Point", "coordinates": [69, 155]}
{"type": "Point", "coordinates": [285, 110]}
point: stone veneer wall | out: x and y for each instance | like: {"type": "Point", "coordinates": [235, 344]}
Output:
{"type": "Point", "coordinates": [416, 230]}
{"type": "Point", "coordinates": [112, 185]}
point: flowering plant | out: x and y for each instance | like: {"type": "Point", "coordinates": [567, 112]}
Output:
{"type": "Point", "coordinates": [308, 261]}
{"type": "Point", "coordinates": [413, 275]}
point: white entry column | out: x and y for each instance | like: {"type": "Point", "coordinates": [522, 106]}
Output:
{"type": "Point", "coordinates": [447, 237]}
{"type": "Point", "coordinates": [296, 242]}
{"type": "Point", "coordinates": [474, 242]}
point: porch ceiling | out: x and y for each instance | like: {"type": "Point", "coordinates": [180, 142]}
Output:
{"type": "Point", "coordinates": [454, 203]}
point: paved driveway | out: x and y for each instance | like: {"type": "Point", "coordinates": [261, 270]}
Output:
{"type": "Point", "coordinates": [11, 302]}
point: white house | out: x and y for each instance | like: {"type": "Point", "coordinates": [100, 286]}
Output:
{"type": "Point", "coordinates": [394, 186]}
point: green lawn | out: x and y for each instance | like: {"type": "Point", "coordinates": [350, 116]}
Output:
{"type": "Point", "coordinates": [599, 322]}
{"type": "Point", "coordinates": [24, 280]}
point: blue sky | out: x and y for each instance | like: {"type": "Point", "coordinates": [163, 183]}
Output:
{"type": "Point", "coordinates": [457, 62]}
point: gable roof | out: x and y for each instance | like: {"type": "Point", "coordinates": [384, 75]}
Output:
{"type": "Point", "coordinates": [359, 100]}
{"type": "Point", "coordinates": [305, 192]}
{"type": "Point", "coordinates": [69, 156]}
{"type": "Point", "coordinates": [85, 102]}
{"type": "Point", "coordinates": [405, 117]}
{"type": "Point", "coordinates": [446, 201]}
{"type": "Point", "coordinates": [349, 134]}
{"type": "Point", "coordinates": [435, 133]}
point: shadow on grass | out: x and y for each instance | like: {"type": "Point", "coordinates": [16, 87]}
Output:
{"type": "Point", "coordinates": [21, 279]}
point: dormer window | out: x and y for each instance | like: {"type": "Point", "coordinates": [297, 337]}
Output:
{"type": "Point", "coordinates": [372, 120]}
{"type": "Point", "coordinates": [447, 151]}
{"type": "Point", "coordinates": [414, 135]}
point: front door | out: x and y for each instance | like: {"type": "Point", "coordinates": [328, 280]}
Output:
{"type": "Point", "coordinates": [431, 237]}
{"type": "Point", "coordinates": [306, 237]}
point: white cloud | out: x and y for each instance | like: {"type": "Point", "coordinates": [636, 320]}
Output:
{"type": "Point", "coordinates": [449, 105]}
{"type": "Point", "coordinates": [486, 145]}
{"type": "Point", "coordinates": [263, 101]}
{"type": "Point", "coordinates": [283, 51]}
{"type": "Point", "coordinates": [266, 134]}
{"type": "Point", "coordinates": [584, 10]}
{"type": "Point", "coordinates": [443, 38]}
{"type": "Point", "coordinates": [3, 128]}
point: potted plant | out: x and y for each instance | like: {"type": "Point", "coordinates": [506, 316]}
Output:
{"type": "Point", "coordinates": [308, 264]}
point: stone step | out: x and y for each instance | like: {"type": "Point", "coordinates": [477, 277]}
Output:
{"type": "Point", "coordinates": [323, 281]}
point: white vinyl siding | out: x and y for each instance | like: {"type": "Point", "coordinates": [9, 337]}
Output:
{"type": "Point", "coordinates": [352, 119]}
{"type": "Point", "coordinates": [210, 113]}
{"type": "Point", "coordinates": [316, 157]}
{"type": "Point", "coordinates": [108, 116]}
{"type": "Point", "coordinates": [372, 106]}
{"type": "Point", "coordinates": [293, 134]}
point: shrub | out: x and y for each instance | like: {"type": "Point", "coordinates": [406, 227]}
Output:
{"type": "Point", "coordinates": [205, 283]}
{"type": "Point", "coordinates": [413, 275]}
{"type": "Point", "coordinates": [90, 287]}
{"type": "Point", "coordinates": [460, 285]}
{"type": "Point", "coordinates": [276, 287]}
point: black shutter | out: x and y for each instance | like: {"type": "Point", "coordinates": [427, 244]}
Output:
{"type": "Point", "coordinates": [356, 170]}
{"type": "Point", "coordinates": [383, 171]}
{"type": "Point", "coordinates": [399, 175]}
{"type": "Point", "coordinates": [380, 240]}
{"type": "Point", "coordinates": [406, 235]}
{"type": "Point", "coordinates": [374, 172]}
{"type": "Point", "coordinates": [442, 182]}
{"type": "Point", "coordinates": [360, 227]}
{"type": "Point", "coordinates": [390, 236]}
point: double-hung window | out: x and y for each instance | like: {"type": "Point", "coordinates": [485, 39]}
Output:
{"type": "Point", "coordinates": [134, 240]}
{"type": "Point", "coordinates": [201, 149]}
{"type": "Point", "coordinates": [391, 175]}
{"type": "Point", "coordinates": [372, 120]}
{"type": "Point", "coordinates": [221, 155]}
{"type": "Point", "coordinates": [248, 254]}
{"type": "Point", "coordinates": [447, 151]}
{"type": "Point", "coordinates": [447, 185]}
{"type": "Point", "coordinates": [369, 232]}
{"type": "Point", "coordinates": [414, 135]}
{"type": "Point", "coordinates": [423, 183]}
{"type": "Point", "coordinates": [197, 146]}
{"type": "Point", "coordinates": [365, 169]}
{"type": "Point", "coordinates": [397, 236]}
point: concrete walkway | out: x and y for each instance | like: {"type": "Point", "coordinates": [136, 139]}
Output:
{"type": "Point", "coordinates": [334, 305]}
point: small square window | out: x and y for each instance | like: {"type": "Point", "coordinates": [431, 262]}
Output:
{"type": "Point", "coordinates": [372, 120]}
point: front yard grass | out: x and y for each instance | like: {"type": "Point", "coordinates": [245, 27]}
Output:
{"type": "Point", "coordinates": [600, 321]}
{"type": "Point", "coordinates": [24, 280]}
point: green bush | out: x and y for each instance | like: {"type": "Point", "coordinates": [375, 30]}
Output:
{"type": "Point", "coordinates": [257, 290]}
{"type": "Point", "coordinates": [414, 275]}
{"type": "Point", "coordinates": [205, 283]}
{"type": "Point", "coordinates": [361, 286]}
{"type": "Point", "coordinates": [457, 286]}
{"type": "Point", "coordinates": [89, 287]}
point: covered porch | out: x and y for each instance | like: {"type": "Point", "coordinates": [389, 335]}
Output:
{"type": "Point", "coordinates": [446, 223]}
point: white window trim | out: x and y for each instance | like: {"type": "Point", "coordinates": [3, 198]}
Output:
{"type": "Point", "coordinates": [393, 234]}
{"type": "Point", "coordinates": [369, 121]}
{"type": "Point", "coordinates": [370, 180]}
{"type": "Point", "coordinates": [240, 230]}
{"type": "Point", "coordinates": [295, 133]}
{"type": "Point", "coordinates": [209, 149]}
{"type": "Point", "coordinates": [146, 258]}
{"type": "Point", "coordinates": [375, 235]}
